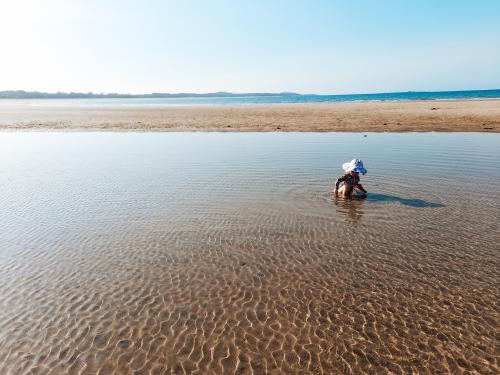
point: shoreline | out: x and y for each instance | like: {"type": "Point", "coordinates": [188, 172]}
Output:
{"type": "Point", "coordinates": [478, 115]}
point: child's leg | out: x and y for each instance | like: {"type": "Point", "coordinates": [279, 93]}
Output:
{"type": "Point", "coordinates": [345, 190]}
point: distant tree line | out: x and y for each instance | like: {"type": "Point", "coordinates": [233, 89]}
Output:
{"type": "Point", "coordinates": [21, 94]}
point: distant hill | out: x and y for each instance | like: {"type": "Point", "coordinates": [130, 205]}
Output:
{"type": "Point", "coordinates": [21, 94]}
{"type": "Point", "coordinates": [290, 97]}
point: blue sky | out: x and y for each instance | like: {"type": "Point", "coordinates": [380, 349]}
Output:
{"type": "Point", "coordinates": [247, 46]}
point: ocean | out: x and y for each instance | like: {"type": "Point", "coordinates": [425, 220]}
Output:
{"type": "Point", "coordinates": [257, 99]}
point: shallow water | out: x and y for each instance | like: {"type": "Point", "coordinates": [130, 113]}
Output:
{"type": "Point", "coordinates": [226, 253]}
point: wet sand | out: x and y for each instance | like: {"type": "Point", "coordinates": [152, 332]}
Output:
{"type": "Point", "coordinates": [449, 116]}
{"type": "Point", "coordinates": [195, 254]}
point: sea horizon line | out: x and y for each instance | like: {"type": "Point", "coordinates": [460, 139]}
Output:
{"type": "Point", "coordinates": [23, 94]}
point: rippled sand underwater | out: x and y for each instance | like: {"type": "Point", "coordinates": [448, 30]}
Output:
{"type": "Point", "coordinates": [226, 253]}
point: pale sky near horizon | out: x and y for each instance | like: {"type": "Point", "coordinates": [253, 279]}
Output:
{"type": "Point", "coordinates": [249, 46]}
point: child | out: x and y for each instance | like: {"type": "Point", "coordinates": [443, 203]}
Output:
{"type": "Point", "coordinates": [350, 181]}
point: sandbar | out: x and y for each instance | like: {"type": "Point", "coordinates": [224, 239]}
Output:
{"type": "Point", "coordinates": [384, 116]}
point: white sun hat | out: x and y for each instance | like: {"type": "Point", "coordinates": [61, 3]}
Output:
{"type": "Point", "coordinates": [355, 165]}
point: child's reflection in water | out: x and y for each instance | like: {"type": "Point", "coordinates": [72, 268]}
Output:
{"type": "Point", "coordinates": [352, 208]}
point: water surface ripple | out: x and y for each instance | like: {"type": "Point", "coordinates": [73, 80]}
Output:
{"type": "Point", "coordinates": [226, 253]}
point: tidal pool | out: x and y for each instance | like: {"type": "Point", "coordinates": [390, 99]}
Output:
{"type": "Point", "coordinates": [227, 253]}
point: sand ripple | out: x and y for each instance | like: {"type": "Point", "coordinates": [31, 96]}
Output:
{"type": "Point", "coordinates": [248, 272]}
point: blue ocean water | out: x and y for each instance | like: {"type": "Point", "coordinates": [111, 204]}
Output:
{"type": "Point", "coordinates": [260, 99]}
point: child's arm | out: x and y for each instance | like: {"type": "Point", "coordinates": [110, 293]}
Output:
{"type": "Point", "coordinates": [339, 180]}
{"type": "Point", "coordinates": [360, 187]}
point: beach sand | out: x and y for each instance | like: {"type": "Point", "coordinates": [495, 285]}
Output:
{"type": "Point", "coordinates": [449, 116]}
